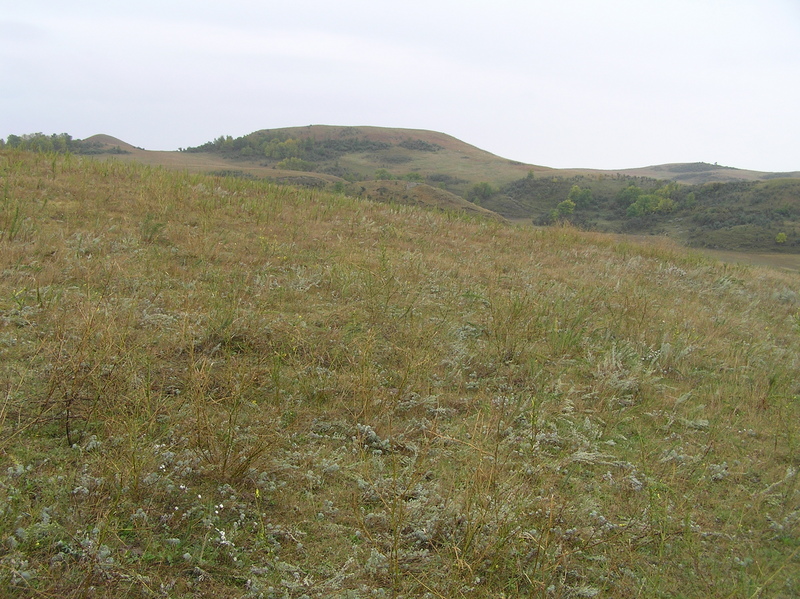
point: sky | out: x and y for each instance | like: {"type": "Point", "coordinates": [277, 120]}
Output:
{"type": "Point", "coordinates": [605, 84]}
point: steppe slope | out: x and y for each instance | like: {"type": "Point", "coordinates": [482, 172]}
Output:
{"type": "Point", "coordinates": [458, 159]}
{"type": "Point", "coordinates": [215, 387]}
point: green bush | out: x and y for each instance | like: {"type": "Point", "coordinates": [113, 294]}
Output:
{"type": "Point", "coordinates": [295, 164]}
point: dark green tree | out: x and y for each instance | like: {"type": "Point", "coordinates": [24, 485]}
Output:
{"type": "Point", "coordinates": [480, 192]}
{"type": "Point", "coordinates": [565, 208]}
{"type": "Point", "coordinates": [629, 195]}
{"type": "Point", "coordinates": [580, 197]}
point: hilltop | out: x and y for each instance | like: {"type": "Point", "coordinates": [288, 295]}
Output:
{"type": "Point", "coordinates": [107, 142]}
{"type": "Point", "coordinates": [703, 172]}
{"type": "Point", "coordinates": [224, 387]}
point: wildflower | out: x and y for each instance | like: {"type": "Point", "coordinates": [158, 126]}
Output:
{"type": "Point", "coordinates": [223, 539]}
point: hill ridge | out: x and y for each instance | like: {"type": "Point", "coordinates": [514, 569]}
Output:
{"type": "Point", "coordinates": [398, 134]}
{"type": "Point", "coordinates": [110, 140]}
{"type": "Point", "coordinates": [699, 203]}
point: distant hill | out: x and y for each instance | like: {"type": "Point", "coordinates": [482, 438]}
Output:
{"type": "Point", "coordinates": [399, 150]}
{"type": "Point", "coordinates": [700, 204]}
{"type": "Point", "coordinates": [108, 142]}
{"type": "Point", "coordinates": [63, 142]}
{"type": "Point", "coordinates": [358, 153]}
{"type": "Point", "coordinates": [702, 172]}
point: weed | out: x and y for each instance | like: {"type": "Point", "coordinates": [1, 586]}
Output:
{"type": "Point", "coordinates": [151, 229]}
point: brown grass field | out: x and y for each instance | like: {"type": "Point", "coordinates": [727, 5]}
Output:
{"type": "Point", "coordinates": [217, 387]}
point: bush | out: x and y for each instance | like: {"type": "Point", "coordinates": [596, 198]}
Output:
{"type": "Point", "coordinates": [295, 164]}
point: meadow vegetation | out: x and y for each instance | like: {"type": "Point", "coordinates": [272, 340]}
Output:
{"type": "Point", "coordinates": [220, 387]}
{"type": "Point", "coordinates": [744, 215]}
{"type": "Point", "coordinates": [698, 204]}
{"type": "Point", "coordinates": [688, 203]}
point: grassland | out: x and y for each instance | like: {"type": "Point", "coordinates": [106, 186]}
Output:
{"type": "Point", "coordinates": [219, 387]}
{"type": "Point", "coordinates": [708, 206]}
{"type": "Point", "coordinates": [430, 152]}
{"type": "Point", "coordinates": [698, 204]}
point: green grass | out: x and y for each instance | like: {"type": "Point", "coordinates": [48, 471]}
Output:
{"type": "Point", "coordinates": [221, 387]}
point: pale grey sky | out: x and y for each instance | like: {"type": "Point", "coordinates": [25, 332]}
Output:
{"type": "Point", "coordinates": [561, 83]}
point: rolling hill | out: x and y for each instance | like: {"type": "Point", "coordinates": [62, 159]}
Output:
{"type": "Point", "coordinates": [224, 387]}
{"type": "Point", "coordinates": [424, 152]}
{"type": "Point", "coordinates": [699, 204]}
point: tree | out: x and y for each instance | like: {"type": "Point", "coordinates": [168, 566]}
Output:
{"type": "Point", "coordinates": [565, 208]}
{"type": "Point", "coordinates": [560, 212]}
{"type": "Point", "coordinates": [294, 163]}
{"type": "Point", "coordinates": [580, 197]}
{"type": "Point", "coordinates": [665, 205]}
{"type": "Point", "coordinates": [780, 238]}
{"type": "Point", "coordinates": [644, 204]}
{"type": "Point", "coordinates": [279, 150]}
{"type": "Point", "coordinates": [629, 195]}
{"type": "Point", "coordinates": [660, 201]}
{"type": "Point", "coordinates": [480, 192]}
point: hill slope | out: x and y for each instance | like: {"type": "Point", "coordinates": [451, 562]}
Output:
{"type": "Point", "coordinates": [419, 194]}
{"type": "Point", "coordinates": [697, 173]}
{"type": "Point", "coordinates": [356, 153]}
{"type": "Point", "coordinates": [107, 142]}
{"type": "Point", "coordinates": [224, 387]}
{"type": "Point", "coordinates": [700, 204]}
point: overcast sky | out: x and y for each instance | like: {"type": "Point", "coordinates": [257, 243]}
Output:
{"type": "Point", "coordinates": [561, 83]}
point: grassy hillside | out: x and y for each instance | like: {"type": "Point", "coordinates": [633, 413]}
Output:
{"type": "Point", "coordinates": [417, 194]}
{"type": "Point", "coordinates": [709, 205]}
{"type": "Point", "coordinates": [699, 204]}
{"type": "Point", "coordinates": [748, 215]}
{"type": "Point", "coordinates": [217, 387]}
{"type": "Point", "coordinates": [698, 173]}
{"type": "Point", "coordinates": [362, 153]}
{"type": "Point", "coordinates": [359, 151]}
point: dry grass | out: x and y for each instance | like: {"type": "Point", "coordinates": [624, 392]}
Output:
{"type": "Point", "coordinates": [456, 158]}
{"type": "Point", "coordinates": [420, 194]}
{"type": "Point", "coordinates": [214, 387]}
